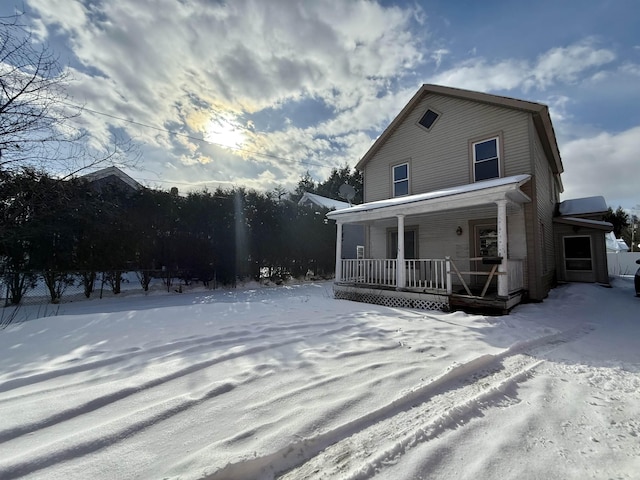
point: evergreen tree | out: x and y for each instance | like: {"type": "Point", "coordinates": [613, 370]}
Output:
{"type": "Point", "coordinates": [619, 219]}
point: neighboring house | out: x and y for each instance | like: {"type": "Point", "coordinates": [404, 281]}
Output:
{"type": "Point", "coordinates": [580, 240]}
{"type": "Point", "coordinates": [461, 190]}
{"type": "Point", "coordinates": [114, 178]}
{"type": "Point", "coordinates": [314, 200]}
{"type": "Point", "coordinates": [352, 235]}
{"type": "Point", "coordinates": [616, 245]}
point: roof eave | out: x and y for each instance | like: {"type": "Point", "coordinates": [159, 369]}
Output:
{"type": "Point", "coordinates": [584, 223]}
{"type": "Point", "coordinates": [510, 192]}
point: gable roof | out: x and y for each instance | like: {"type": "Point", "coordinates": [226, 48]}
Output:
{"type": "Point", "coordinates": [322, 202]}
{"type": "Point", "coordinates": [540, 112]}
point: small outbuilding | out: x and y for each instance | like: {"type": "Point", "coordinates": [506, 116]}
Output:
{"type": "Point", "coordinates": [580, 240]}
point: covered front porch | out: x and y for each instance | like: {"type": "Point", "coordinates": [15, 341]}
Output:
{"type": "Point", "coordinates": [462, 247]}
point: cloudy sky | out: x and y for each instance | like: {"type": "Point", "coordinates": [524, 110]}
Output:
{"type": "Point", "coordinates": [255, 93]}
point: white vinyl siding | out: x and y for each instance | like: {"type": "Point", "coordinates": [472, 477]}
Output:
{"type": "Point", "coordinates": [544, 209]}
{"type": "Point", "coordinates": [440, 157]}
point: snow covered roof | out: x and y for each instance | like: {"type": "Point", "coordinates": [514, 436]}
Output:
{"type": "Point", "coordinates": [112, 172]}
{"type": "Point", "coordinates": [323, 202]}
{"type": "Point", "coordinates": [582, 206]}
{"type": "Point", "coordinates": [471, 194]}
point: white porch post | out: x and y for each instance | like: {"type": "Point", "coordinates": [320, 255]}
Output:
{"type": "Point", "coordinates": [400, 268]}
{"type": "Point", "coordinates": [338, 276]}
{"type": "Point", "coordinates": [503, 281]}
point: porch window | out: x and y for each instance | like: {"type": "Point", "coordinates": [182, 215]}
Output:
{"type": "Point", "coordinates": [410, 244]}
{"type": "Point", "coordinates": [577, 253]}
{"type": "Point", "coordinates": [486, 159]}
{"type": "Point", "coordinates": [401, 180]}
{"type": "Point", "coordinates": [487, 241]}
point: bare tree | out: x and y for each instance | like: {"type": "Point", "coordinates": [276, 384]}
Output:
{"type": "Point", "coordinates": [36, 128]}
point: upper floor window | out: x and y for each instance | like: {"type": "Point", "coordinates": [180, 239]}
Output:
{"type": "Point", "coordinates": [428, 119]}
{"type": "Point", "coordinates": [486, 159]}
{"type": "Point", "coordinates": [401, 180]}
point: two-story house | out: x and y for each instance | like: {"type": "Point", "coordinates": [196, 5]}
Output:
{"type": "Point", "coordinates": [460, 194]}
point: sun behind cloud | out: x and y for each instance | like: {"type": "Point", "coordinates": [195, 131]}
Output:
{"type": "Point", "coordinates": [224, 131]}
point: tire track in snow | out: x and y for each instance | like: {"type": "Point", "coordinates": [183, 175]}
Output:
{"type": "Point", "coordinates": [49, 455]}
{"type": "Point", "coordinates": [120, 394]}
{"type": "Point", "coordinates": [300, 455]}
{"type": "Point", "coordinates": [105, 435]}
{"type": "Point", "coordinates": [195, 344]}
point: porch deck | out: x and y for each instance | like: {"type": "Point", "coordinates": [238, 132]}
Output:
{"type": "Point", "coordinates": [430, 284]}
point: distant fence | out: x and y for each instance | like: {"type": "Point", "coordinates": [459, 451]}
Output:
{"type": "Point", "coordinates": [623, 263]}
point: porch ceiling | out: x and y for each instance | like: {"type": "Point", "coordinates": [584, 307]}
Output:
{"type": "Point", "coordinates": [464, 196]}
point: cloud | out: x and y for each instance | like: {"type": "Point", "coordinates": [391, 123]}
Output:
{"type": "Point", "coordinates": [562, 65]}
{"type": "Point", "coordinates": [202, 69]}
{"type": "Point", "coordinates": [168, 63]}
{"type": "Point", "coordinates": [605, 164]}
{"type": "Point", "coordinates": [438, 54]}
{"type": "Point", "coordinates": [567, 64]}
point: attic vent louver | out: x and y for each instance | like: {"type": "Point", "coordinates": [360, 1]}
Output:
{"type": "Point", "coordinates": [428, 119]}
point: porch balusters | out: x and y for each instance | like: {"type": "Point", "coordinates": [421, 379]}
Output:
{"type": "Point", "coordinates": [429, 275]}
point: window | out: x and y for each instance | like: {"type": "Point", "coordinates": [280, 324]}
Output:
{"type": "Point", "coordinates": [410, 244]}
{"type": "Point", "coordinates": [401, 180]}
{"type": "Point", "coordinates": [428, 119]}
{"type": "Point", "coordinates": [487, 241]}
{"type": "Point", "coordinates": [486, 160]}
{"type": "Point", "coordinates": [577, 253]}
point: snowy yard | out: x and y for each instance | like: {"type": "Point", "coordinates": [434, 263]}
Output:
{"type": "Point", "coordinates": [289, 383]}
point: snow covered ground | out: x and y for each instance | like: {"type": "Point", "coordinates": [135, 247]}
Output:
{"type": "Point", "coordinates": [289, 383]}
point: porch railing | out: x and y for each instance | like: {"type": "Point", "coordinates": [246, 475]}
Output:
{"type": "Point", "coordinates": [431, 274]}
{"type": "Point", "coordinates": [424, 274]}
{"type": "Point", "coordinates": [374, 271]}
{"type": "Point", "coordinates": [427, 275]}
